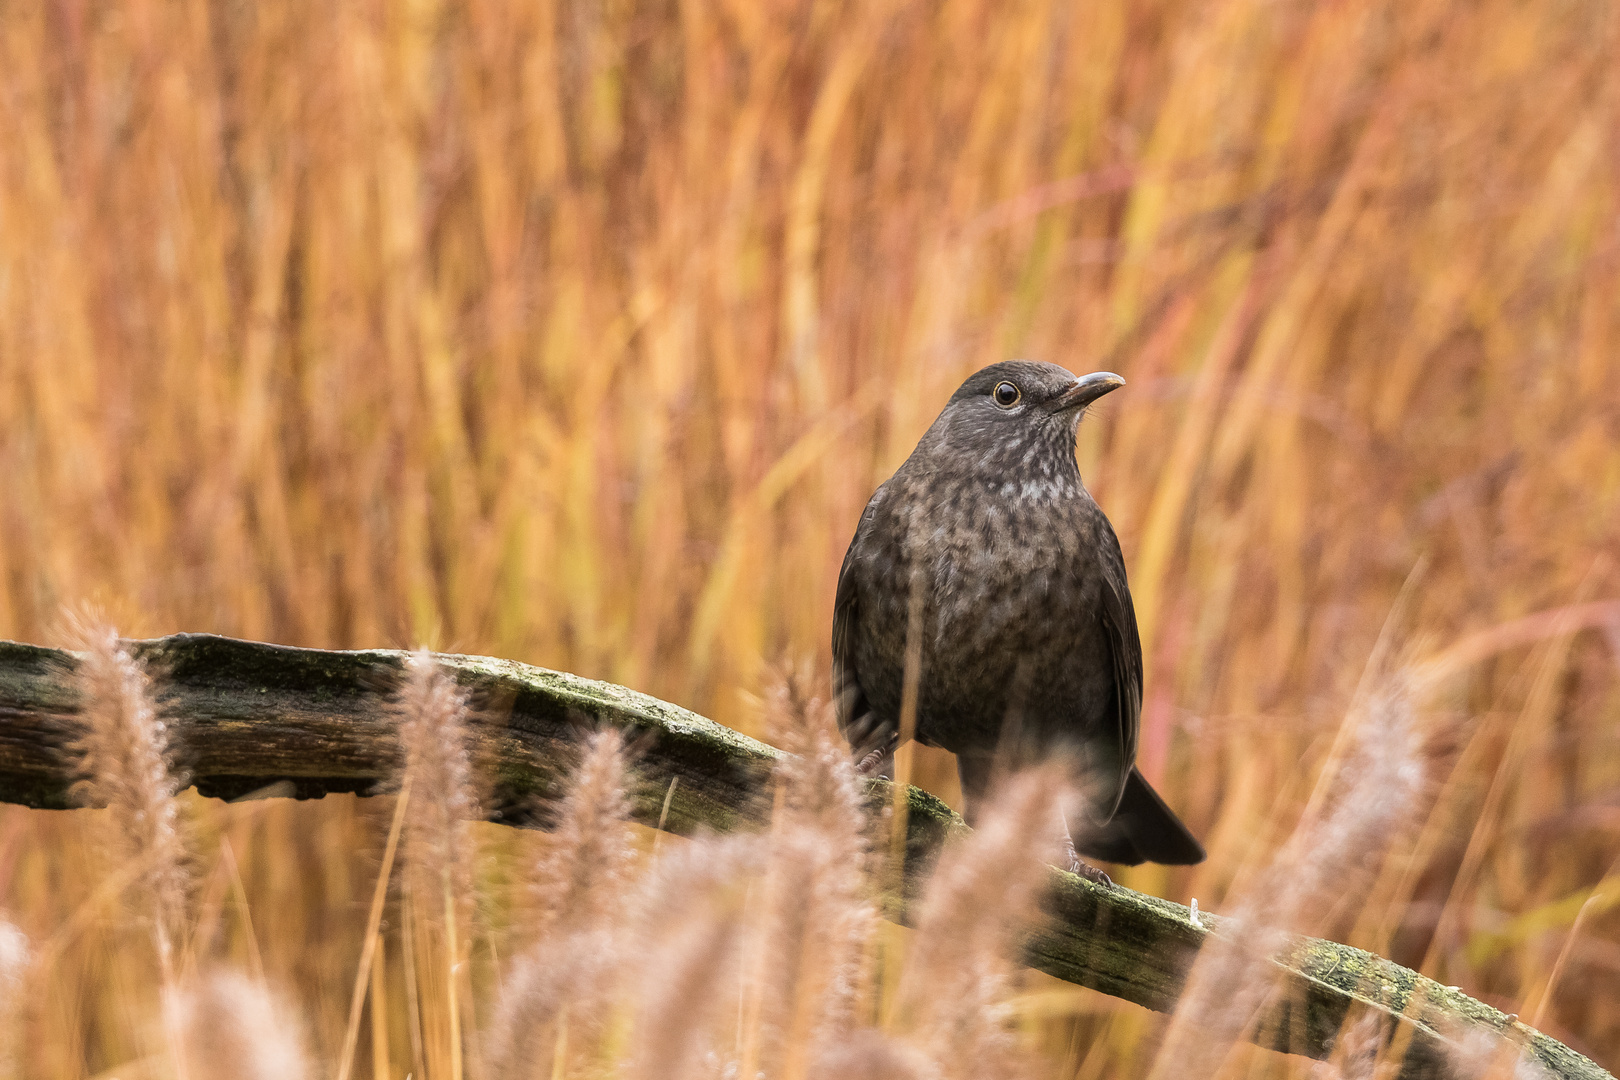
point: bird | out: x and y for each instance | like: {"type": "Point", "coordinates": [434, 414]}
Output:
{"type": "Point", "coordinates": [985, 566]}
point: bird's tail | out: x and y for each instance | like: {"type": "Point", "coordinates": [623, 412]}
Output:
{"type": "Point", "coordinates": [1143, 829]}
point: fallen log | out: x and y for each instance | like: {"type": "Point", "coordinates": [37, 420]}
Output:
{"type": "Point", "coordinates": [308, 722]}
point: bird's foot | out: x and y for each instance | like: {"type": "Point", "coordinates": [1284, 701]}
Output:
{"type": "Point", "coordinates": [1079, 866]}
{"type": "Point", "coordinates": [876, 763]}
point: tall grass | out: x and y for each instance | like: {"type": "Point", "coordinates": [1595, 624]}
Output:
{"type": "Point", "coordinates": [580, 333]}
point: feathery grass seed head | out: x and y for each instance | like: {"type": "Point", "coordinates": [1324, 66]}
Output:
{"type": "Point", "coordinates": [584, 875]}
{"type": "Point", "coordinates": [433, 714]}
{"type": "Point", "coordinates": [689, 922]}
{"type": "Point", "coordinates": [121, 753]}
{"type": "Point", "coordinates": [226, 1026]}
{"type": "Point", "coordinates": [983, 895]}
{"type": "Point", "coordinates": [816, 917]}
{"type": "Point", "coordinates": [868, 1055]}
{"type": "Point", "coordinates": [1475, 1053]}
{"type": "Point", "coordinates": [581, 889]}
{"type": "Point", "coordinates": [1374, 794]}
{"type": "Point", "coordinates": [819, 781]}
{"type": "Point", "coordinates": [16, 958]}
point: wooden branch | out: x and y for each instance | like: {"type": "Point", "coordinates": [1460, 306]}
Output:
{"type": "Point", "coordinates": [256, 715]}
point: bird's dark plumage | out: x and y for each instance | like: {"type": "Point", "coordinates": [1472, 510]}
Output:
{"type": "Point", "coordinates": [988, 555]}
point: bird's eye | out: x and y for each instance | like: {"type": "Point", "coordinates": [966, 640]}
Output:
{"type": "Point", "coordinates": [1006, 395]}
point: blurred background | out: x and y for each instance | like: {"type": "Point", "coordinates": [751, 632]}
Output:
{"type": "Point", "coordinates": [579, 334]}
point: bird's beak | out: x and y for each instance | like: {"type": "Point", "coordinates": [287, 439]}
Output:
{"type": "Point", "coordinates": [1086, 389]}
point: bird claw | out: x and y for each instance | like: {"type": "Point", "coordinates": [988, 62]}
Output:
{"type": "Point", "coordinates": [876, 763]}
{"type": "Point", "coordinates": [1079, 866]}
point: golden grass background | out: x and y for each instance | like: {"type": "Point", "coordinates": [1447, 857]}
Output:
{"type": "Point", "coordinates": [579, 334]}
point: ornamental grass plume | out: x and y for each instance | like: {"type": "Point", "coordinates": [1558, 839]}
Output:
{"type": "Point", "coordinates": [1473, 1053]}
{"type": "Point", "coordinates": [820, 786]}
{"type": "Point", "coordinates": [226, 1026]}
{"type": "Point", "coordinates": [1375, 792]}
{"type": "Point", "coordinates": [121, 753]}
{"type": "Point", "coordinates": [984, 893]}
{"type": "Point", "coordinates": [585, 871]}
{"type": "Point", "coordinates": [778, 923]}
{"type": "Point", "coordinates": [433, 714]}
{"type": "Point", "coordinates": [870, 1055]}
{"type": "Point", "coordinates": [559, 988]}
{"type": "Point", "coordinates": [1356, 1050]}
{"type": "Point", "coordinates": [439, 787]}
{"type": "Point", "coordinates": [16, 959]}
{"type": "Point", "coordinates": [691, 918]}
{"type": "Point", "coordinates": [808, 968]}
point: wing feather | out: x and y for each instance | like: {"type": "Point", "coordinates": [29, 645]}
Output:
{"type": "Point", "coordinates": [1118, 616]}
{"type": "Point", "coordinates": [871, 739]}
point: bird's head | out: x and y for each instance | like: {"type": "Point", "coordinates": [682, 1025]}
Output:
{"type": "Point", "coordinates": [1016, 418]}
{"type": "Point", "coordinates": [1027, 392]}
{"type": "Point", "coordinates": [1016, 409]}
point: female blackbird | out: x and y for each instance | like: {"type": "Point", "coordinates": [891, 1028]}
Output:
{"type": "Point", "coordinates": [985, 556]}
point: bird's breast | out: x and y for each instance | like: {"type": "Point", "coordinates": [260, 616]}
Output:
{"type": "Point", "coordinates": [984, 559]}
{"type": "Point", "coordinates": [999, 576]}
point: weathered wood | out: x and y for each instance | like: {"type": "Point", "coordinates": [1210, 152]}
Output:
{"type": "Point", "coordinates": [254, 715]}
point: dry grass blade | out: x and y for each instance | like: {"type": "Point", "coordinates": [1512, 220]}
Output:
{"type": "Point", "coordinates": [364, 970]}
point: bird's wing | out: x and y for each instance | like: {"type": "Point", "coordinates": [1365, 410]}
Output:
{"type": "Point", "coordinates": [1118, 616]}
{"type": "Point", "coordinates": [847, 693]}
{"type": "Point", "coordinates": [867, 735]}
